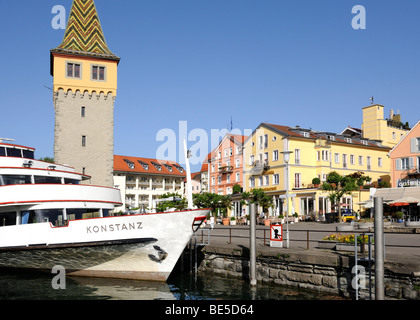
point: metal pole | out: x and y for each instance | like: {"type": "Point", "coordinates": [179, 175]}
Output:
{"type": "Point", "coordinates": [287, 204]}
{"type": "Point", "coordinates": [252, 247]}
{"type": "Point", "coordinates": [379, 249]}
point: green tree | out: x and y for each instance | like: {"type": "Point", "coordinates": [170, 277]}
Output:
{"type": "Point", "coordinates": [212, 201]}
{"type": "Point", "coordinates": [337, 186]}
{"type": "Point", "coordinates": [164, 206]}
{"type": "Point", "coordinates": [258, 197]}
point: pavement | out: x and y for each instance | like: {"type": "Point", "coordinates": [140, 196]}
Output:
{"type": "Point", "coordinates": [402, 250]}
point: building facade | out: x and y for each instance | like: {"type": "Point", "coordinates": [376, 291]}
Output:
{"type": "Point", "coordinates": [84, 74]}
{"type": "Point", "coordinates": [314, 155]}
{"type": "Point", "coordinates": [225, 165]}
{"type": "Point", "coordinates": [375, 127]}
{"type": "Point", "coordinates": [143, 180]}
{"type": "Point", "coordinates": [405, 160]}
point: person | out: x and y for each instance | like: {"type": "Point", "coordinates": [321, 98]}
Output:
{"type": "Point", "coordinates": [212, 222]}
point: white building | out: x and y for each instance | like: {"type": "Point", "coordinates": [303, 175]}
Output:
{"type": "Point", "coordinates": [143, 180]}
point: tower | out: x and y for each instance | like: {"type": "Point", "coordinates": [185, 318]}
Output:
{"type": "Point", "coordinates": [84, 74]}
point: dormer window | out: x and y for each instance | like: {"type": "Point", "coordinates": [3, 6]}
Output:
{"type": "Point", "coordinates": [167, 166]}
{"type": "Point", "coordinates": [364, 142]}
{"type": "Point", "coordinates": [348, 140]}
{"type": "Point", "coordinates": [331, 137]}
{"type": "Point", "coordinates": [180, 169]}
{"type": "Point", "coordinates": [130, 164]}
{"type": "Point", "coordinates": [305, 134]}
{"type": "Point", "coordinates": [143, 164]}
{"type": "Point", "coordinates": [157, 166]}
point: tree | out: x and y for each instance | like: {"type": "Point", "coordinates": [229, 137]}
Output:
{"type": "Point", "coordinates": [212, 201]}
{"type": "Point", "coordinates": [259, 197]}
{"type": "Point", "coordinates": [338, 185]}
{"type": "Point", "coordinates": [47, 159]}
{"type": "Point", "coordinates": [164, 206]}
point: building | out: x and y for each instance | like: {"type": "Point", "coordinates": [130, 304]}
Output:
{"type": "Point", "coordinates": [375, 127]}
{"type": "Point", "coordinates": [205, 174]}
{"type": "Point", "coordinates": [315, 155]}
{"type": "Point", "coordinates": [143, 180]}
{"type": "Point", "coordinates": [225, 165]}
{"type": "Point", "coordinates": [84, 74]}
{"type": "Point", "coordinates": [405, 160]}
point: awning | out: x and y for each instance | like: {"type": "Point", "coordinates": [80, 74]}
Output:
{"type": "Point", "coordinates": [404, 201]}
{"type": "Point", "coordinates": [393, 194]}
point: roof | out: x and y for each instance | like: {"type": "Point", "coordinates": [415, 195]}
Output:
{"type": "Point", "coordinates": [84, 35]}
{"type": "Point", "coordinates": [391, 194]}
{"type": "Point", "coordinates": [297, 132]}
{"type": "Point", "coordinates": [399, 142]}
{"type": "Point", "coordinates": [147, 166]}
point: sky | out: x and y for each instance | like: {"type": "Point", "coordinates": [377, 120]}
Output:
{"type": "Point", "coordinates": [196, 65]}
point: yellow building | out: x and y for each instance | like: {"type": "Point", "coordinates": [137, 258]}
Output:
{"type": "Point", "coordinates": [315, 155]}
{"type": "Point", "coordinates": [376, 127]}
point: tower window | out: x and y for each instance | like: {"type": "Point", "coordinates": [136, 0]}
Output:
{"type": "Point", "coordinates": [83, 141]}
{"type": "Point", "coordinates": [73, 70]}
{"type": "Point", "coordinates": [83, 112]}
{"type": "Point", "coordinates": [98, 73]}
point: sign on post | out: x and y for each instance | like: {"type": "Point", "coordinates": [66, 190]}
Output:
{"type": "Point", "coordinates": [276, 235]}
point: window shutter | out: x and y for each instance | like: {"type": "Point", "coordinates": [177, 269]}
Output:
{"type": "Point", "coordinates": [398, 165]}
{"type": "Point", "coordinates": [414, 146]}
{"type": "Point", "coordinates": [411, 163]}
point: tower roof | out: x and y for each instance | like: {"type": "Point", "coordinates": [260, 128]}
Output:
{"type": "Point", "coordinates": [84, 35]}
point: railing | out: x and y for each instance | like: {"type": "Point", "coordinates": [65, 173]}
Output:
{"type": "Point", "coordinates": [263, 234]}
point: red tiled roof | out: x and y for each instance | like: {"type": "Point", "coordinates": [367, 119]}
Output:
{"type": "Point", "coordinates": [137, 165]}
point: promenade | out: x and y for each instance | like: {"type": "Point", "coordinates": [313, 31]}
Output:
{"type": "Point", "coordinates": [402, 250]}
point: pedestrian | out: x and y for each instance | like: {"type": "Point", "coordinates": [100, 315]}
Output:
{"type": "Point", "coordinates": [212, 222]}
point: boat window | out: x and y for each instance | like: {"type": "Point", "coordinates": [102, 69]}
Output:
{"type": "Point", "coordinates": [6, 179]}
{"type": "Point", "coordinates": [47, 180]}
{"type": "Point", "coordinates": [29, 154]}
{"type": "Point", "coordinates": [55, 216]}
{"type": "Point", "coordinates": [71, 181]}
{"type": "Point", "coordinates": [79, 214]}
{"type": "Point", "coordinates": [7, 219]}
{"type": "Point", "coordinates": [11, 152]}
{"type": "Point", "coordinates": [2, 152]}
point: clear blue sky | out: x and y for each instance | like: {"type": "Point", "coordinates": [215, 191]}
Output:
{"type": "Point", "coordinates": [295, 62]}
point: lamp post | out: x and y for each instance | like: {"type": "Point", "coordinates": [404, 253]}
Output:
{"type": "Point", "coordinates": [286, 158]}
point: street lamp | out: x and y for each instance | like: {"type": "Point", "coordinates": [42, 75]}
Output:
{"type": "Point", "coordinates": [286, 158]}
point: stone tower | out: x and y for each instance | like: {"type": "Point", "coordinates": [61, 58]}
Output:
{"type": "Point", "coordinates": [84, 73]}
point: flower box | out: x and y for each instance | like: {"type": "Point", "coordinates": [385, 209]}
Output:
{"type": "Point", "coordinates": [349, 247]}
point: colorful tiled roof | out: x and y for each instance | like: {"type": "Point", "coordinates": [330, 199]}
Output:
{"type": "Point", "coordinates": [84, 35]}
{"type": "Point", "coordinates": [147, 166]}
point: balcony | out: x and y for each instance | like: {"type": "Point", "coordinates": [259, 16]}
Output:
{"type": "Point", "coordinates": [226, 169]}
{"type": "Point", "coordinates": [259, 167]}
{"type": "Point", "coordinates": [413, 172]}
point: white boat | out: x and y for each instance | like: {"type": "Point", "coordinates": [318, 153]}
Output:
{"type": "Point", "coordinates": [48, 219]}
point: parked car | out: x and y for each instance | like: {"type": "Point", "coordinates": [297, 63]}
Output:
{"type": "Point", "coordinates": [347, 215]}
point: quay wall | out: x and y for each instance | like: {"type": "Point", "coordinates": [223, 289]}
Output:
{"type": "Point", "coordinates": [321, 271]}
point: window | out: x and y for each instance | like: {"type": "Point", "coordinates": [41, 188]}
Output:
{"type": "Point", "coordinates": [157, 166]}
{"type": "Point", "coordinates": [226, 153]}
{"type": "Point", "coordinates": [73, 70]}
{"type": "Point", "coordinates": [405, 163]}
{"type": "Point", "coordinates": [379, 162]}
{"type": "Point", "coordinates": [266, 180]}
{"type": "Point", "coordinates": [318, 156]}
{"type": "Point", "coordinates": [83, 141]}
{"type": "Point", "coordinates": [238, 149]}
{"type": "Point", "coordinates": [130, 164]}
{"type": "Point", "coordinates": [394, 136]}
{"type": "Point", "coordinates": [228, 178]}
{"type": "Point", "coordinates": [297, 156]}
{"type": "Point", "coordinates": [276, 178]}
{"type": "Point", "coordinates": [360, 160]}
{"type": "Point", "coordinates": [251, 160]}
{"type": "Point", "coordinates": [352, 162]}
{"type": "Point", "coordinates": [238, 163]}
{"type": "Point", "coordinates": [298, 180]}
{"type": "Point", "coordinates": [369, 162]}
{"type": "Point", "coordinates": [212, 181]}
{"type": "Point", "coordinates": [325, 155]}
{"type": "Point", "coordinates": [415, 145]}
{"type": "Point", "coordinates": [260, 181]}
{"type": "Point", "coordinates": [83, 112]}
{"type": "Point", "coordinates": [337, 158]}
{"type": "Point", "coordinates": [238, 177]}
{"type": "Point", "coordinates": [344, 161]}
{"type": "Point", "coordinates": [275, 155]}
{"type": "Point", "coordinates": [230, 152]}
{"type": "Point", "coordinates": [219, 180]}
{"type": "Point", "coordinates": [265, 141]}
{"type": "Point", "coordinates": [252, 182]}
{"type": "Point", "coordinates": [98, 73]}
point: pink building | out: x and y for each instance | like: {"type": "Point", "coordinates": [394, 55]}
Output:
{"type": "Point", "coordinates": [405, 160]}
{"type": "Point", "coordinates": [225, 165]}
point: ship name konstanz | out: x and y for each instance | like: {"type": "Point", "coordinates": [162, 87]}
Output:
{"type": "Point", "coordinates": [114, 227]}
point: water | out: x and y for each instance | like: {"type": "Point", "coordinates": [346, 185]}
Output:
{"type": "Point", "coordinates": [29, 286]}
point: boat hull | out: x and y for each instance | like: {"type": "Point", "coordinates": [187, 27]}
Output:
{"type": "Point", "coordinates": [141, 247]}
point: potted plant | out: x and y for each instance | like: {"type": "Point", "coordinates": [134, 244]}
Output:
{"type": "Point", "coordinates": [296, 217]}
{"type": "Point", "coordinates": [316, 182]}
{"type": "Point", "coordinates": [232, 221]}
{"type": "Point", "coordinates": [399, 215]}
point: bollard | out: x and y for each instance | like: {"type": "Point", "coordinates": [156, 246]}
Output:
{"type": "Point", "coordinates": [252, 247]}
{"type": "Point", "coordinates": [379, 249]}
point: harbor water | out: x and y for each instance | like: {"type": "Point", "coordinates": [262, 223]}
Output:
{"type": "Point", "coordinates": [180, 286]}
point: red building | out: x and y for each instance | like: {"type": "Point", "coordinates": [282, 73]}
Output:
{"type": "Point", "coordinates": [225, 165]}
